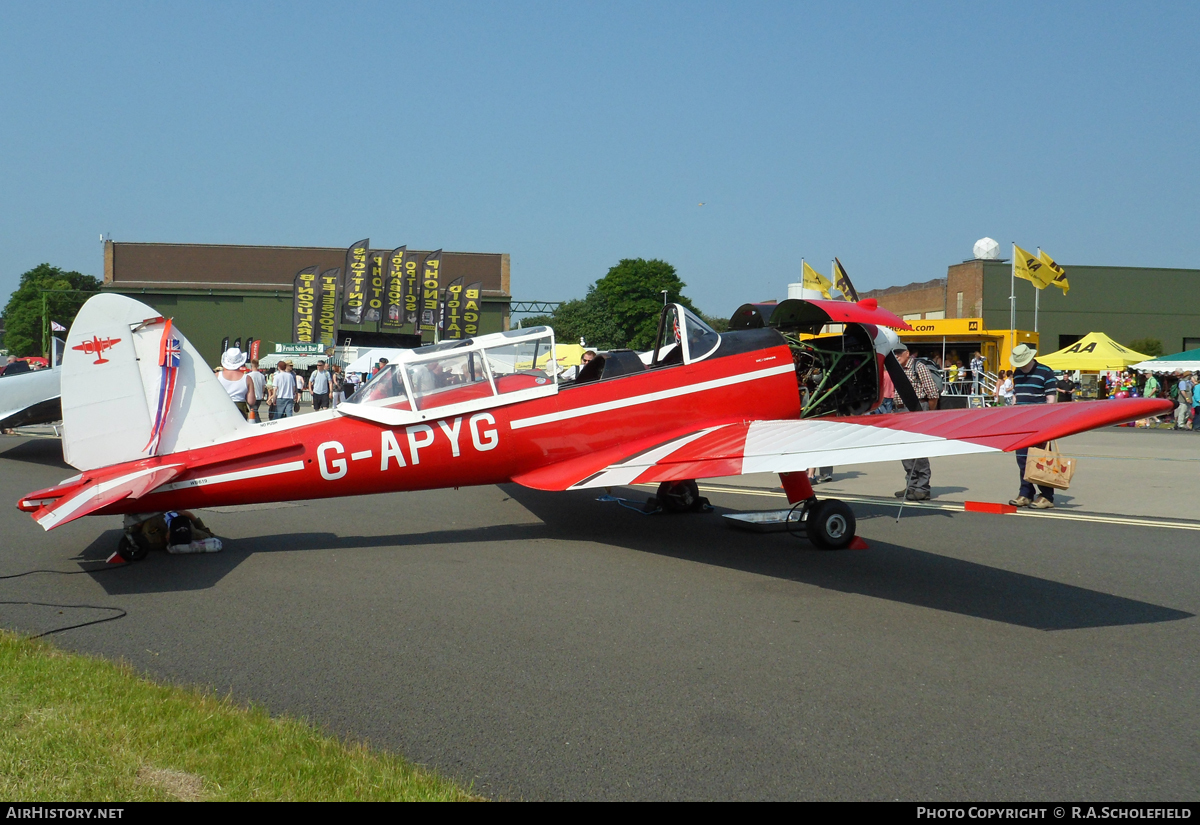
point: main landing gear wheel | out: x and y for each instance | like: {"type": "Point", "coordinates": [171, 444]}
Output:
{"type": "Point", "coordinates": [678, 496]}
{"type": "Point", "coordinates": [830, 524]}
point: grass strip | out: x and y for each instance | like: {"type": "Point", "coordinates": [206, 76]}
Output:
{"type": "Point", "coordinates": [79, 728]}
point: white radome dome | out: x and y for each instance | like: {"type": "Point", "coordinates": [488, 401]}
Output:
{"type": "Point", "coordinates": [987, 249]}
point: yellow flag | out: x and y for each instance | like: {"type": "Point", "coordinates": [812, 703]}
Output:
{"type": "Point", "coordinates": [1060, 275]}
{"type": "Point", "coordinates": [1027, 266]}
{"type": "Point", "coordinates": [815, 280]}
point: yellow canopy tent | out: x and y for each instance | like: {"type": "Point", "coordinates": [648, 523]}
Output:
{"type": "Point", "coordinates": [1092, 353]}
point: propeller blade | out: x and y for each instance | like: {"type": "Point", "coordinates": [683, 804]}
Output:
{"type": "Point", "coordinates": [904, 387]}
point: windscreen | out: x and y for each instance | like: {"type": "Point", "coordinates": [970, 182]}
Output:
{"type": "Point", "coordinates": [702, 339]}
{"type": "Point", "coordinates": [386, 385]}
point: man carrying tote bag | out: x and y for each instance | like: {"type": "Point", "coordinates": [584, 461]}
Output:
{"type": "Point", "coordinates": [1033, 383]}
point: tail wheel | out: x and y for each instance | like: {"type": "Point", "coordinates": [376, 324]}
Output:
{"type": "Point", "coordinates": [831, 524]}
{"type": "Point", "coordinates": [131, 549]}
{"type": "Point", "coordinates": [678, 496]}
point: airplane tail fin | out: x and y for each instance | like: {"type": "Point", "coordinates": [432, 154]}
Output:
{"type": "Point", "coordinates": [112, 388]}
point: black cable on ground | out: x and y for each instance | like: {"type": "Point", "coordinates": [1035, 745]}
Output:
{"type": "Point", "coordinates": [67, 572]}
{"type": "Point", "coordinates": [121, 612]}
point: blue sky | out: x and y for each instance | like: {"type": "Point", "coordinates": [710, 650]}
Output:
{"type": "Point", "coordinates": [574, 134]}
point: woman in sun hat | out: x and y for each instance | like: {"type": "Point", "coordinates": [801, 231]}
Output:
{"type": "Point", "coordinates": [237, 383]}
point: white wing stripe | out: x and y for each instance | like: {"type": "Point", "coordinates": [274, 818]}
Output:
{"type": "Point", "coordinates": [617, 475]}
{"type": "Point", "coordinates": [788, 446]}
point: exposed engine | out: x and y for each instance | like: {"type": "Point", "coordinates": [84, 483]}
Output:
{"type": "Point", "coordinates": [839, 373]}
{"type": "Point", "coordinates": [836, 374]}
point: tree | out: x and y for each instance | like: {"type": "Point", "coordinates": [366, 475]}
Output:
{"type": "Point", "coordinates": [622, 308]}
{"type": "Point", "coordinates": [23, 313]}
{"type": "Point", "coordinates": [633, 292]}
{"type": "Point", "coordinates": [1147, 346]}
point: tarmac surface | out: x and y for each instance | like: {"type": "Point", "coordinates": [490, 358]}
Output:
{"type": "Point", "coordinates": [552, 646]}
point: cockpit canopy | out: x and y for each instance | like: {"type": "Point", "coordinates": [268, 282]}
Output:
{"type": "Point", "coordinates": [474, 373]}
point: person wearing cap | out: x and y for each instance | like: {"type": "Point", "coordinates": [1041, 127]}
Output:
{"type": "Point", "coordinates": [319, 386]}
{"type": "Point", "coordinates": [1033, 383]}
{"type": "Point", "coordinates": [917, 471]}
{"type": "Point", "coordinates": [1183, 399]}
{"type": "Point", "coordinates": [237, 383]}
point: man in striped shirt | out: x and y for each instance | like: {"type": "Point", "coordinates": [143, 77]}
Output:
{"type": "Point", "coordinates": [1033, 383]}
{"type": "Point", "coordinates": [917, 471]}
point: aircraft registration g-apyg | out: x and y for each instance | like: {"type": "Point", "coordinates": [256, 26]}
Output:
{"type": "Point", "coordinates": [151, 430]}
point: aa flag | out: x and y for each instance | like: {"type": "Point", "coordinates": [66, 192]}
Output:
{"type": "Point", "coordinates": [430, 287]}
{"type": "Point", "coordinates": [327, 306]}
{"type": "Point", "coordinates": [412, 287]}
{"type": "Point", "coordinates": [303, 305]}
{"type": "Point", "coordinates": [1059, 278]}
{"type": "Point", "coordinates": [393, 293]}
{"type": "Point", "coordinates": [842, 281]}
{"type": "Point", "coordinates": [452, 317]}
{"type": "Point", "coordinates": [374, 313]}
{"type": "Point", "coordinates": [1029, 268]}
{"type": "Point", "coordinates": [472, 308]}
{"type": "Point", "coordinates": [354, 289]}
{"type": "Point", "coordinates": [812, 279]}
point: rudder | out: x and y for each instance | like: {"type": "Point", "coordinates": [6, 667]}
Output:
{"type": "Point", "coordinates": [110, 384]}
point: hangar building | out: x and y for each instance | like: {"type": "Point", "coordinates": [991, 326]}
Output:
{"type": "Point", "coordinates": [217, 291]}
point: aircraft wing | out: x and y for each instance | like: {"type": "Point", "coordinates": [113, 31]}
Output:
{"type": "Point", "coordinates": [794, 445]}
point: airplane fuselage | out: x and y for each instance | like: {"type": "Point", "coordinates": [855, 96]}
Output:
{"type": "Point", "coordinates": [328, 454]}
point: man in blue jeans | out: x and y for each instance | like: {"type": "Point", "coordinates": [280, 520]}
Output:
{"type": "Point", "coordinates": [1033, 383]}
{"type": "Point", "coordinates": [285, 391]}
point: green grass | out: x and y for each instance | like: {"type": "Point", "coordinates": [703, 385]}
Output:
{"type": "Point", "coordinates": [81, 728]}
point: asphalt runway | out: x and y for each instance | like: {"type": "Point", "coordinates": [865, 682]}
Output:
{"type": "Point", "coordinates": [552, 646]}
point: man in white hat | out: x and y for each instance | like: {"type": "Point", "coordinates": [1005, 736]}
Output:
{"type": "Point", "coordinates": [1033, 383]}
{"type": "Point", "coordinates": [237, 383]}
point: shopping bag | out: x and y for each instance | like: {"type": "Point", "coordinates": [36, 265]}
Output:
{"type": "Point", "coordinates": [1049, 468]}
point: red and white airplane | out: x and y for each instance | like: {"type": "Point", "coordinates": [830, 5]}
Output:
{"type": "Point", "coordinates": [151, 430]}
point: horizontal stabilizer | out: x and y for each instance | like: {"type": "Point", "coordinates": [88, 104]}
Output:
{"type": "Point", "coordinates": [67, 502]}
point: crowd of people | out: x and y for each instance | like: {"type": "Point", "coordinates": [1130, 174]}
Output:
{"type": "Point", "coordinates": [282, 388]}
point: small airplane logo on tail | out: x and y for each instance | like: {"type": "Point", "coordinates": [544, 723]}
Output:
{"type": "Point", "coordinates": [97, 346]}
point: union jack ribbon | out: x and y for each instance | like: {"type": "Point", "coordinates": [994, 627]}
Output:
{"type": "Point", "coordinates": [168, 359]}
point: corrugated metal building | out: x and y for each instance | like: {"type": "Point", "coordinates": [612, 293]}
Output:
{"type": "Point", "coordinates": [1123, 302]}
{"type": "Point", "coordinates": [214, 291]}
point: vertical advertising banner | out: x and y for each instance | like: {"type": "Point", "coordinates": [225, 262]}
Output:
{"type": "Point", "coordinates": [452, 316]}
{"type": "Point", "coordinates": [393, 293]}
{"type": "Point", "coordinates": [327, 306]}
{"type": "Point", "coordinates": [472, 308]}
{"type": "Point", "coordinates": [224, 344]}
{"type": "Point", "coordinates": [429, 291]}
{"type": "Point", "coordinates": [254, 348]}
{"type": "Point", "coordinates": [354, 290]}
{"type": "Point", "coordinates": [412, 288]}
{"type": "Point", "coordinates": [374, 300]}
{"type": "Point", "coordinates": [303, 305]}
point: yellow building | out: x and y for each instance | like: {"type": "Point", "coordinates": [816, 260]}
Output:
{"type": "Point", "coordinates": [955, 339]}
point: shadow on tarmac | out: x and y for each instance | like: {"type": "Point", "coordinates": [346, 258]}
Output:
{"type": "Point", "coordinates": [44, 451]}
{"type": "Point", "coordinates": [886, 571]}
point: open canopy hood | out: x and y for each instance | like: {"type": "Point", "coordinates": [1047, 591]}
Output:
{"type": "Point", "coordinates": [796, 315]}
